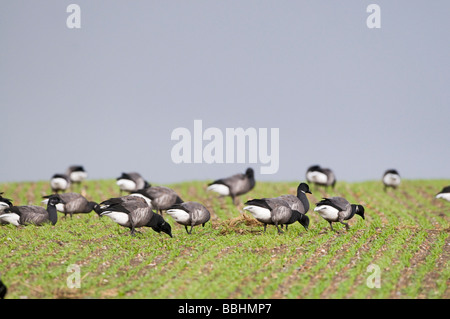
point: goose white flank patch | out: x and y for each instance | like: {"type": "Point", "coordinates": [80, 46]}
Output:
{"type": "Point", "coordinates": [220, 189]}
{"type": "Point", "coordinates": [117, 217]}
{"type": "Point", "coordinates": [317, 177]}
{"type": "Point", "coordinates": [126, 185]}
{"type": "Point", "coordinates": [391, 178]}
{"type": "Point", "coordinates": [179, 215]}
{"type": "Point", "coordinates": [76, 173]}
{"type": "Point", "coordinates": [10, 218]}
{"type": "Point", "coordinates": [320, 176]}
{"type": "Point", "coordinates": [145, 198]}
{"type": "Point", "coordinates": [131, 182]}
{"type": "Point", "coordinates": [4, 204]}
{"type": "Point", "coordinates": [77, 176]}
{"type": "Point", "coordinates": [327, 212]}
{"type": "Point", "coordinates": [59, 182]}
{"type": "Point", "coordinates": [444, 194]}
{"type": "Point", "coordinates": [260, 213]}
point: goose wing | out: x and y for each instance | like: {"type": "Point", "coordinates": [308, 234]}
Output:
{"type": "Point", "coordinates": [341, 204]}
{"type": "Point", "coordinates": [29, 214]}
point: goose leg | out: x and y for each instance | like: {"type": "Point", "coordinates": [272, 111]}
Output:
{"type": "Point", "coordinates": [347, 226]}
{"type": "Point", "coordinates": [331, 225]}
{"type": "Point", "coordinates": [279, 230]}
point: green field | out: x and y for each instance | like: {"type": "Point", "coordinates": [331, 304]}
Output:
{"type": "Point", "coordinates": [405, 236]}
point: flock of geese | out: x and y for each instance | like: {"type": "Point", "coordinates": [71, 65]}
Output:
{"type": "Point", "coordinates": [144, 204]}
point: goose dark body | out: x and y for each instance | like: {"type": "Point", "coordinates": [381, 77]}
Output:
{"type": "Point", "coordinates": [235, 185]}
{"type": "Point", "coordinates": [131, 182]}
{"type": "Point", "coordinates": [162, 198]}
{"type": "Point", "coordinates": [133, 213]}
{"type": "Point", "coordinates": [275, 211]}
{"type": "Point", "coordinates": [59, 182]}
{"type": "Point", "coordinates": [282, 210]}
{"type": "Point", "coordinates": [391, 178]}
{"type": "Point", "coordinates": [35, 215]}
{"type": "Point", "coordinates": [299, 204]}
{"type": "Point", "coordinates": [74, 204]}
{"type": "Point", "coordinates": [320, 176]}
{"type": "Point", "coordinates": [189, 214]}
{"type": "Point", "coordinates": [76, 173]}
{"type": "Point", "coordinates": [338, 209]}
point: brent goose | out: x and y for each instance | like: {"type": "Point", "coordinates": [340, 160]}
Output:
{"type": "Point", "coordinates": [299, 203]}
{"type": "Point", "coordinates": [4, 204]}
{"type": "Point", "coordinates": [59, 182]}
{"type": "Point", "coordinates": [189, 214]}
{"type": "Point", "coordinates": [338, 209]}
{"type": "Point", "coordinates": [275, 211]}
{"type": "Point", "coordinates": [133, 212]}
{"type": "Point", "coordinates": [320, 176]}
{"type": "Point", "coordinates": [74, 203]}
{"type": "Point", "coordinates": [3, 290]}
{"type": "Point", "coordinates": [76, 173]}
{"type": "Point", "coordinates": [131, 182]}
{"type": "Point", "coordinates": [444, 193]}
{"type": "Point", "coordinates": [161, 197]}
{"type": "Point", "coordinates": [235, 185]}
{"type": "Point", "coordinates": [36, 215]}
{"type": "Point", "coordinates": [391, 178]}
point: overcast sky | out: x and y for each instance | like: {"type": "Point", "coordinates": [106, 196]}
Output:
{"type": "Point", "coordinates": [109, 95]}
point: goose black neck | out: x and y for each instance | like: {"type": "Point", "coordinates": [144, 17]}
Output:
{"type": "Point", "coordinates": [296, 216]}
{"type": "Point", "coordinates": [52, 214]}
{"type": "Point", "coordinates": [155, 221]}
{"type": "Point", "coordinates": [89, 207]}
{"type": "Point", "coordinates": [302, 196]}
{"type": "Point", "coordinates": [353, 211]}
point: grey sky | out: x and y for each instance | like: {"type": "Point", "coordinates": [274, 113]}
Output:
{"type": "Point", "coordinates": [109, 95]}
